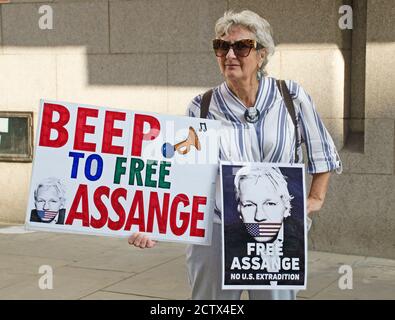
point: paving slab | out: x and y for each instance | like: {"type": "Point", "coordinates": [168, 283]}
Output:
{"type": "Point", "coordinates": [167, 281]}
{"type": "Point", "coordinates": [58, 246]}
{"type": "Point", "coordinates": [323, 270]}
{"type": "Point", "coordinates": [105, 295]}
{"type": "Point", "coordinates": [15, 264]}
{"type": "Point", "coordinates": [105, 268]}
{"type": "Point", "coordinates": [130, 259]}
{"type": "Point", "coordinates": [369, 283]}
{"type": "Point", "coordinates": [8, 279]}
{"type": "Point", "coordinates": [68, 283]}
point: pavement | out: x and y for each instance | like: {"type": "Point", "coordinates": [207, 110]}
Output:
{"type": "Point", "coordinates": [103, 268]}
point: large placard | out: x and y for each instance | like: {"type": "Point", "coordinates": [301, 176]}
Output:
{"type": "Point", "coordinates": [113, 172]}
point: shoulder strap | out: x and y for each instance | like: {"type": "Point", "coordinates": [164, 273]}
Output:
{"type": "Point", "coordinates": [282, 86]}
{"type": "Point", "coordinates": [205, 104]}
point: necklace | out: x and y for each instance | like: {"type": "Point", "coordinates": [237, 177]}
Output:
{"type": "Point", "coordinates": [252, 114]}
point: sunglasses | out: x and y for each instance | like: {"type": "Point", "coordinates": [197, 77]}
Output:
{"type": "Point", "coordinates": [241, 48]}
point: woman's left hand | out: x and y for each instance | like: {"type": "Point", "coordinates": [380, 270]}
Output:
{"type": "Point", "coordinates": [313, 205]}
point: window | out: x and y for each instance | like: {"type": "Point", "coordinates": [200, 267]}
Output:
{"type": "Point", "coordinates": [16, 136]}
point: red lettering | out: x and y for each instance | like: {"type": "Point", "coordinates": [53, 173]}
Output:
{"type": "Point", "coordinates": [138, 201]}
{"type": "Point", "coordinates": [82, 128]}
{"type": "Point", "coordinates": [119, 210]}
{"type": "Point", "coordinates": [184, 216]}
{"type": "Point", "coordinates": [197, 215]}
{"type": "Point", "coordinates": [101, 208]}
{"type": "Point", "coordinates": [161, 217]}
{"type": "Point", "coordinates": [110, 132]}
{"type": "Point", "coordinates": [138, 132]}
{"type": "Point", "coordinates": [47, 125]}
{"type": "Point", "coordinates": [81, 195]}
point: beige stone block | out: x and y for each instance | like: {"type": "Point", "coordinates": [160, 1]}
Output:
{"type": "Point", "coordinates": [163, 26]}
{"type": "Point", "coordinates": [152, 282]}
{"type": "Point", "coordinates": [378, 153]}
{"type": "Point", "coordinates": [180, 97]}
{"type": "Point", "coordinates": [83, 24]}
{"type": "Point", "coordinates": [273, 68]}
{"type": "Point", "coordinates": [358, 216]}
{"type": "Point", "coordinates": [27, 1]}
{"type": "Point", "coordinates": [190, 74]}
{"type": "Point", "coordinates": [358, 84]}
{"type": "Point", "coordinates": [1, 39]}
{"type": "Point", "coordinates": [335, 128]}
{"type": "Point", "coordinates": [82, 79]}
{"type": "Point", "coordinates": [321, 74]}
{"type": "Point", "coordinates": [187, 78]}
{"type": "Point", "coordinates": [380, 94]}
{"type": "Point", "coordinates": [300, 22]}
{"type": "Point", "coordinates": [25, 79]}
{"type": "Point", "coordinates": [76, 0]}
{"type": "Point", "coordinates": [15, 180]}
{"type": "Point", "coordinates": [127, 70]}
{"type": "Point", "coordinates": [194, 70]}
{"type": "Point", "coordinates": [68, 283]}
{"type": "Point", "coordinates": [380, 21]}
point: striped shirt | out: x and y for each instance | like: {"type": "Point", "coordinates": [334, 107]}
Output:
{"type": "Point", "coordinates": [272, 137]}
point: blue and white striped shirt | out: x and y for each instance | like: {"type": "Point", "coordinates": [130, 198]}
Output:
{"type": "Point", "coordinates": [272, 137]}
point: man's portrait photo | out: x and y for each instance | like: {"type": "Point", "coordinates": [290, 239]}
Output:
{"type": "Point", "coordinates": [49, 201]}
{"type": "Point", "coordinates": [262, 213]}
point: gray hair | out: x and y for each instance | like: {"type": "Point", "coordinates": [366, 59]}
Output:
{"type": "Point", "coordinates": [273, 175]}
{"type": "Point", "coordinates": [254, 23]}
{"type": "Point", "coordinates": [55, 183]}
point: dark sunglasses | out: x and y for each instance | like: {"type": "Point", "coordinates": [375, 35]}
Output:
{"type": "Point", "coordinates": [241, 48]}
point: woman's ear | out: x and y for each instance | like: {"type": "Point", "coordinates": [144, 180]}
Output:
{"type": "Point", "coordinates": [262, 56]}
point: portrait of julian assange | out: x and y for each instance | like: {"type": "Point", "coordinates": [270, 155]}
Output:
{"type": "Point", "coordinates": [49, 201]}
{"type": "Point", "coordinates": [263, 208]}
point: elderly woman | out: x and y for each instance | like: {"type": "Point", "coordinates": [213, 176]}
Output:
{"type": "Point", "coordinates": [259, 129]}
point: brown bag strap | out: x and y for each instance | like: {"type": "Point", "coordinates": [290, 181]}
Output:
{"type": "Point", "coordinates": [282, 86]}
{"type": "Point", "coordinates": [205, 104]}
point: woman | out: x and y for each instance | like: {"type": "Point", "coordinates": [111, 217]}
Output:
{"type": "Point", "coordinates": [243, 46]}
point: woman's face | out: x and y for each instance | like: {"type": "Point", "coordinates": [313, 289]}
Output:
{"type": "Point", "coordinates": [240, 68]}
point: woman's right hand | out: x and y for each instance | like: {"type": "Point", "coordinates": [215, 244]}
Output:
{"type": "Point", "coordinates": [141, 240]}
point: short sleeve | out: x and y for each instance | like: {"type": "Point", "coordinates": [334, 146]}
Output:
{"type": "Point", "coordinates": [321, 150]}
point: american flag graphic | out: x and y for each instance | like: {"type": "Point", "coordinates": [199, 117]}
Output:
{"type": "Point", "coordinates": [46, 215]}
{"type": "Point", "coordinates": [263, 229]}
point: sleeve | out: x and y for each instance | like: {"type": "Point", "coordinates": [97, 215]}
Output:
{"type": "Point", "coordinates": [321, 150]}
{"type": "Point", "coordinates": [193, 109]}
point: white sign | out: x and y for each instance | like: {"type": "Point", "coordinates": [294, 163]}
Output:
{"type": "Point", "coordinates": [264, 234]}
{"type": "Point", "coordinates": [115, 172]}
{"type": "Point", "coordinates": [3, 125]}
